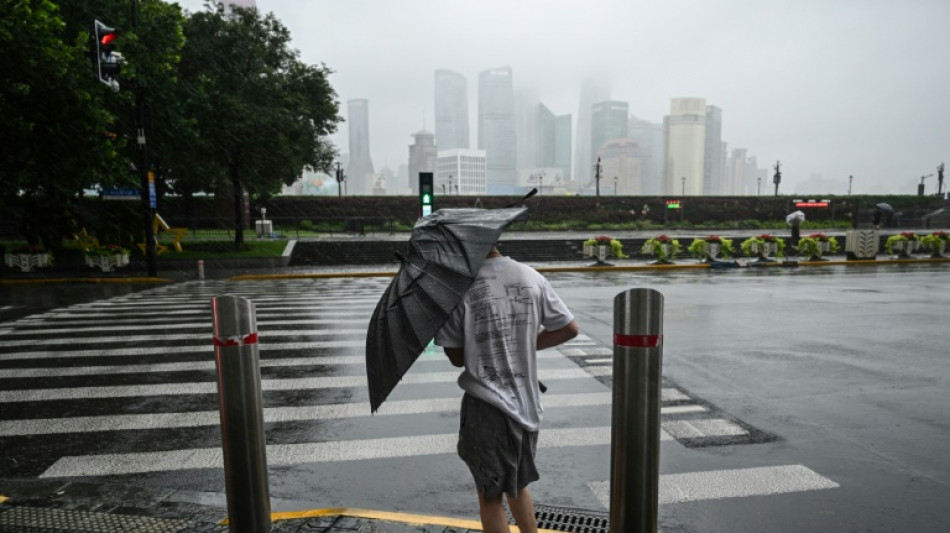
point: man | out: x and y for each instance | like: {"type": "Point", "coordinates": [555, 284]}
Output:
{"type": "Point", "coordinates": [509, 312]}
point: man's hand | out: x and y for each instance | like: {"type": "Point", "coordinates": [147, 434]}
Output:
{"type": "Point", "coordinates": [547, 339]}
{"type": "Point", "coordinates": [456, 356]}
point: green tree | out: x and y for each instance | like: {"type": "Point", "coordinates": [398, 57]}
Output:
{"type": "Point", "coordinates": [55, 130]}
{"type": "Point", "coordinates": [261, 114]}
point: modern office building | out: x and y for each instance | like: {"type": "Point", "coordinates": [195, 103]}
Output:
{"type": "Point", "coordinates": [712, 156]}
{"type": "Point", "coordinates": [621, 171]}
{"type": "Point", "coordinates": [649, 138]}
{"type": "Point", "coordinates": [360, 176]}
{"type": "Point", "coordinates": [422, 156]}
{"type": "Point", "coordinates": [608, 122]}
{"type": "Point", "coordinates": [592, 90]}
{"type": "Point", "coordinates": [545, 137]}
{"type": "Point", "coordinates": [563, 129]}
{"type": "Point", "coordinates": [451, 110]}
{"type": "Point", "coordinates": [460, 172]}
{"type": "Point", "coordinates": [684, 159]}
{"type": "Point", "coordinates": [496, 129]}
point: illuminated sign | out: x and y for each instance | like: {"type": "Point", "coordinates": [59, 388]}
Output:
{"type": "Point", "coordinates": [812, 203]}
{"type": "Point", "coordinates": [672, 204]}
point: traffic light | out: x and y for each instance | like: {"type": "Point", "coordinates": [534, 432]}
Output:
{"type": "Point", "coordinates": [426, 192]}
{"type": "Point", "coordinates": [108, 61]}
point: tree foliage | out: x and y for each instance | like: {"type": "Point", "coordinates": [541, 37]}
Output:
{"type": "Point", "coordinates": [261, 114]}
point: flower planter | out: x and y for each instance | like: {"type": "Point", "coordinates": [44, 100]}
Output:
{"type": "Point", "coordinates": [27, 262]}
{"type": "Point", "coordinates": [107, 263]}
{"type": "Point", "coordinates": [905, 248]}
{"type": "Point", "coordinates": [764, 249]}
{"type": "Point", "coordinates": [588, 250]}
{"type": "Point", "coordinates": [602, 252]}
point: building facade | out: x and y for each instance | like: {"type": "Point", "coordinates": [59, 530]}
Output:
{"type": "Point", "coordinates": [621, 170]}
{"type": "Point", "coordinates": [608, 122]}
{"type": "Point", "coordinates": [712, 156]}
{"type": "Point", "coordinates": [592, 90]}
{"type": "Point", "coordinates": [451, 110]}
{"type": "Point", "coordinates": [685, 147]}
{"type": "Point", "coordinates": [563, 129]}
{"type": "Point", "coordinates": [461, 172]}
{"type": "Point", "coordinates": [422, 156]}
{"type": "Point", "coordinates": [496, 129]}
{"type": "Point", "coordinates": [649, 138]}
{"type": "Point", "coordinates": [360, 176]}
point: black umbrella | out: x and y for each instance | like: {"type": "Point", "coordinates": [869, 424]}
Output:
{"type": "Point", "coordinates": [885, 207]}
{"type": "Point", "coordinates": [446, 250]}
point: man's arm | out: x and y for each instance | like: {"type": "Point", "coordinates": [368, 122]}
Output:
{"type": "Point", "coordinates": [456, 356]}
{"type": "Point", "coordinates": [547, 339]}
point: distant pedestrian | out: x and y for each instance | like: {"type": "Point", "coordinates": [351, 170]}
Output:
{"type": "Point", "coordinates": [508, 313]}
{"type": "Point", "coordinates": [878, 215]}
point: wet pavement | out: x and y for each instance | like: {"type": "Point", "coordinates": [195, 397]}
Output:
{"type": "Point", "coordinates": [785, 389]}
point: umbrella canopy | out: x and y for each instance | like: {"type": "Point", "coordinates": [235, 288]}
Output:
{"type": "Point", "coordinates": [446, 250]}
{"type": "Point", "coordinates": [793, 217]}
{"type": "Point", "coordinates": [885, 207]}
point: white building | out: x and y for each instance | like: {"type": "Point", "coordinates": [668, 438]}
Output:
{"type": "Point", "coordinates": [460, 171]}
{"type": "Point", "coordinates": [685, 147]}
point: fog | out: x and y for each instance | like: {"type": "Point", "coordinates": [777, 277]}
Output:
{"type": "Point", "coordinates": [830, 88]}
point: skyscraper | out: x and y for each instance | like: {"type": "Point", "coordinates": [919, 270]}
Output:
{"type": "Point", "coordinates": [422, 156]}
{"type": "Point", "coordinates": [608, 122]}
{"type": "Point", "coordinates": [360, 176]}
{"type": "Point", "coordinates": [685, 147]}
{"type": "Point", "coordinates": [562, 146]}
{"type": "Point", "coordinates": [592, 90]}
{"type": "Point", "coordinates": [649, 138]}
{"type": "Point", "coordinates": [712, 165]}
{"type": "Point", "coordinates": [620, 168]}
{"type": "Point", "coordinates": [451, 110]}
{"type": "Point", "coordinates": [496, 130]}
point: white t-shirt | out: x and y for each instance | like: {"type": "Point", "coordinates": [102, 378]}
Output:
{"type": "Point", "coordinates": [497, 324]}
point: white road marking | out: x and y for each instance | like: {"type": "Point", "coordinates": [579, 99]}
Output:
{"type": "Point", "coordinates": [120, 422]}
{"type": "Point", "coordinates": [703, 427]}
{"type": "Point", "coordinates": [583, 352]}
{"type": "Point", "coordinates": [132, 339]}
{"type": "Point", "coordinates": [210, 387]}
{"type": "Point", "coordinates": [292, 454]}
{"type": "Point", "coordinates": [108, 327]}
{"type": "Point", "coordinates": [134, 368]}
{"type": "Point", "coordinates": [738, 483]}
{"type": "Point", "coordinates": [161, 350]}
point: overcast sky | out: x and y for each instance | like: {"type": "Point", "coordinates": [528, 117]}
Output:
{"type": "Point", "coordinates": [829, 87]}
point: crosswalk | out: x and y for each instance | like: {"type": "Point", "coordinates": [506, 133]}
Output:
{"type": "Point", "coordinates": [125, 388]}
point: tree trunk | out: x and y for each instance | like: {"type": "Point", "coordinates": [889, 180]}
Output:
{"type": "Point", "coordinates": [238, 208]}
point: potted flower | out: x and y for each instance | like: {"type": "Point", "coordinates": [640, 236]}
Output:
{"type": "Point", "coordinates": [598, 247]}
{"type": "Point", "coordinates": [903, 243]}
{"type": "Point", "coordinates": [763, 246]}
{"type": "Point", "coordinates": [663, 247]}
{"type": "Point", "coordinates": [936, 242]}
{"type": "Point", "coordinates": [816, 244]}
{"type": "Point", "coordinates": [709, 248]}
{"type": "Point", "coordinates": [28, 257]}
{"type": "Point", "coordinates": [107, 257]}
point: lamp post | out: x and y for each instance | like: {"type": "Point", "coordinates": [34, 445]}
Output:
{"type": "Point", "coordinates": [850, 179]}
{"type": "Point", "coordinates": [758, 189]}
{"type": "Point", "coordinates": [684, 186]}
{"type": "Point", "coordinates": [541, 184]}
{"type": "Point", "coordinates": [615, 185]}
{"type": "Point", "coordinates": [597, 179]}
{"type": "Point", "coordinates": [340, 179]}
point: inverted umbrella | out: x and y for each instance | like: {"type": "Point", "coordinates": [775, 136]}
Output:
{"type": "Point", "coordinates": [792, 218]}
{"type": "Point", "coordinates": [446, 250]}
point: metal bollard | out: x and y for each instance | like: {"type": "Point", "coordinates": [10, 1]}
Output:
{"type": "Point", "coordinates": [635, 427]}
{"type": "Point", "coordinates": [242, 417]}
{"type": "Point", "coordinates": [201, 269]}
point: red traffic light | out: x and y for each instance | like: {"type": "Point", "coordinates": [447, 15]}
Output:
{"type": "Point", "coordinates": [107, 38]}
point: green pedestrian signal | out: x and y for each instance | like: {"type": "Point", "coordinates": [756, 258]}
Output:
{"type": "Point", "coordinates": [425, 194]}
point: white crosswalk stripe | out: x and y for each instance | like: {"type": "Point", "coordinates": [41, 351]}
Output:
{"type": "Point", "coordinates": [133, 368]}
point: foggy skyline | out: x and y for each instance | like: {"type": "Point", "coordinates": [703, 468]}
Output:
{"type": "Point", "coordinates": [829, 88]}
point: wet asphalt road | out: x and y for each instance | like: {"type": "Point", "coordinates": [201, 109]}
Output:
{"type": "Point", "coordinates": [836, 378]}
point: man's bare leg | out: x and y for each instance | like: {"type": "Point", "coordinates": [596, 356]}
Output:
{"type": "Point", "coordinates": [522, 508]}
{"type": "Point", "coordinates": [493, 516]}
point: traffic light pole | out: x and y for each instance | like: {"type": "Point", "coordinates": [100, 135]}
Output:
{"type": "Point", "coordinates": [147, 179]}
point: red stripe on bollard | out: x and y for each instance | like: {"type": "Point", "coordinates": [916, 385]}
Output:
{"type": "Point", "coordinates": [638, 341]}
{"type": "Point", "coordinates": [236, 341]}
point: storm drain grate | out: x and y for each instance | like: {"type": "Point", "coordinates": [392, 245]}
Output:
{"type": "Point", "coordinates": [42, 519]}
{"type": "Point", "coordinates": [567, 519]}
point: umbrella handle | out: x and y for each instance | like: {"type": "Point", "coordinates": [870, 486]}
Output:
{"type": "Point", "coordinates": [523, 198]}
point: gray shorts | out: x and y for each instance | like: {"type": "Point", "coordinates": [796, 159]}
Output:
{"type": "Point", "coordinates": [498, 451]}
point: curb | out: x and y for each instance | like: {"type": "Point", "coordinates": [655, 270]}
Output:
{"type": "Point", "coordinates": [34, 281]}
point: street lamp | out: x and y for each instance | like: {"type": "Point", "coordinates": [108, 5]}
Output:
{"type": "Point", "coordinates": [541, 184]}
{"type": "Point", "coordinates": [684, 185]}
{"type": "Point", "coordinates": [615, 185]}
{"type": "Point", "coordinates": [758, 189]}
{"type": "Point", "coordinates": [850, 179]}
{"type": "Point", "coordinates": [597, 178]}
